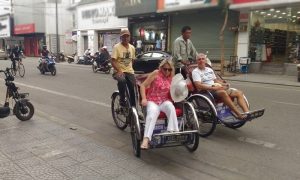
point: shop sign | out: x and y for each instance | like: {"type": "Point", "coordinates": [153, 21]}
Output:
{"type": "Point", "coordinates": [68, 37]}
{"type": "Point", "coordinates": [4, 26]}
{"type": "Point", "coordinates": [135, 7]}
{"type": "Point", "coordinates": [24, 29]}
{"type": "Point", "coordinates": [177, 5]}
{"type": "Point", "coordinates": [99, 16]}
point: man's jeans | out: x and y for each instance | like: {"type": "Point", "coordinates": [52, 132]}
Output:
{"type": "Point", "coordinates": [129, 80]}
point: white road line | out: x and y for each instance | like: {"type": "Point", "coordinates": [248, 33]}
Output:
{"type": "Point", "coordinates": [65, 95]}
{"type": "Point", "coordinates": [257, 142]}
{"type": "Point", "coordinates": [286, 103]}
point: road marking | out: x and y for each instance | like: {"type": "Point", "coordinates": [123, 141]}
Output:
{"type": "Point", "coordinates": [65, 95]}
{"type": "Point", "coordinates": [257, 142]}
{"type": "Point", "coordinates": [286, 103]}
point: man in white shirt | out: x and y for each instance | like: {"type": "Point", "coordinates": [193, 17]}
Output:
{"type": "Point", "coordinates": [204, 78]}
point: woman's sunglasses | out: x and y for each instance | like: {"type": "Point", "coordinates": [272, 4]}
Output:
{"type": "Point", "coordinates": [167, 69]}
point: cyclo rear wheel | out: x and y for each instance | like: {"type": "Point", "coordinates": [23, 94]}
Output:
{"type": "Point", "coordinates": [206, 117]}
{"type": "Point", "coordinates": [118, 112]}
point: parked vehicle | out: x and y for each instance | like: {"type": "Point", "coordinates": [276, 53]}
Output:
{"type": "Point", "coordinates": [47, 65]}
{"type": "Point", "coordinates": [72, 58]}
{"type": "Point", "coordinates": [3, 54]}
{"type": "Point", "coordinates": [86, 60]}
{"type": "Point", "coordinates": [23, 109]}
{"type": "Point", "coordinates": [104, 67]}
{"type": "Point", "coordinates": [60, 57]}
{"type": "Point", "coordinates": [149, 61]}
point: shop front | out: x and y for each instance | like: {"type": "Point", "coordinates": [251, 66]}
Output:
{"type": "Point", "coordinates": [5, 31]}
{"type": "Point", "coordinates": [98, 26]}
{"type": "Point", "coordinates": [33, 41]}
{"type": "Point", "coordinates": [206, 19]}
{"type": "Point", "coordinates": [149, 33]}
{"type": "Point", "coordinates": [149, 30]}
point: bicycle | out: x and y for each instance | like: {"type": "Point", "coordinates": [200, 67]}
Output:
{"type": "Point", "coordinates": [19, 67]}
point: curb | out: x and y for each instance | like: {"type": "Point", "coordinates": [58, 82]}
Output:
{"type": "Point", "coordinates": [257, 82]}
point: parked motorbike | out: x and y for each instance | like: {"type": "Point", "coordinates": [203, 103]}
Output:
{"type": "Point", "coordinates": [22, 108]}
{"type": "Point", "coordinates": [47, 65]}
{"type": "Point", "coordinates": [86, 60]}
{"type": "Point", "coordinates": [71, 58]}
{"type": "Point", "coordinates": [60, 57]}
{"type": "Point", "coordinates": [104, 67]}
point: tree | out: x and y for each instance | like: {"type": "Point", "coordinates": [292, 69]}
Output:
{"type": "Point", "coordinates": [224, 4]}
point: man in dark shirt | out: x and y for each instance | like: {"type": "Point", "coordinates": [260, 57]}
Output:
{"type": "Point", "coordinates": [15, 55]}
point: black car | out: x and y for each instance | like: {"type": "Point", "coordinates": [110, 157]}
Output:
{"type": "Point", "coordinates": [149, 61]}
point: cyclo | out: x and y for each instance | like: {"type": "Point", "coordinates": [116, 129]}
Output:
{"type": "Point", "coordinates": [128, 116]}
{"type": "Point", "coordinates": [211, 111]}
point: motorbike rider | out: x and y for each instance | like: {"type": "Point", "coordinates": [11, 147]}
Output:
{"type": "Point", "coordinates": [103, 57]}
{"type": "Point", "coordinates": [15, 54]}
{"type": "Point", "coordinates": [45, 56]}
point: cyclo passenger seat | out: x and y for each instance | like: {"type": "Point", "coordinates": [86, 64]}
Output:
{"type": "Point", "coordinates": [162, 116]}
{"type": "Point", "coordinates": [192, 88]}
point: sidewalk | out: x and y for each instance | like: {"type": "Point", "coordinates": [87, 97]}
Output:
{"type": "Point", "coordinates": [44, 149]}
{"type": "Point", "coordinates": [265, 79]}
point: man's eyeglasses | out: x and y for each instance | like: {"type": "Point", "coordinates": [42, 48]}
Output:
{"type": "Point", "coordinates": [167, 69]}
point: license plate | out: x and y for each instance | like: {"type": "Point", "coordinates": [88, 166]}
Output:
{"type": "Point", "coordinates": [176, 138]}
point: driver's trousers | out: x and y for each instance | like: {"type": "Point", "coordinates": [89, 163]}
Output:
{"type": "Point", "coordinates": [127, 80]}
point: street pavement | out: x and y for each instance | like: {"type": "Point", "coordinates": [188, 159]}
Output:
{"type": "Point", "coordinates": [73, 135]}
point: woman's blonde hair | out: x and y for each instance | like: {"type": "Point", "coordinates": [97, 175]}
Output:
{"type": "Point", "coordinates": [167, 61]}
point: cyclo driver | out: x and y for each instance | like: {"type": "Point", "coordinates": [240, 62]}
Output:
{"type": "Point", "coordinates": [122, 57]}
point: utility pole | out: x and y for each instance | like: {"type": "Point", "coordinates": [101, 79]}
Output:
{"type": "Point", "coordinates": [57, 35]}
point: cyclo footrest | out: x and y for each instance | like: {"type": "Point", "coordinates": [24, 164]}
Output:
{"type": "Point", "coordinates": [174, 138]}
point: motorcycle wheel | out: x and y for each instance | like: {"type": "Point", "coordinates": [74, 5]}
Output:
{"type": "Point", "coordinates": [69, 61]}
{"type": "Point", "coordinates": [53, 70]}
{"type": "Point", "coordinates": [23, 110]}
{"type": "Point", "coordinates": [108, 71]}
{"type": "Point", "coordinates": [94, 68]}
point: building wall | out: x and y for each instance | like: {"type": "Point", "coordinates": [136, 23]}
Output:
{"type": "Point", "coordinates": [5, 7]}
{"type": "Point", "coordinates": [206, 26]}
{"type": "Point", "coordinates": [30, 11]}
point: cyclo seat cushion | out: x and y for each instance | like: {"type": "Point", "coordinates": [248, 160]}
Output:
{"type": "Point", "coordinates": [179, 113]}
{"type": "Point", "coordinates": [4, 112]}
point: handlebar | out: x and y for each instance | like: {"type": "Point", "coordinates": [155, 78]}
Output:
{"type": "Point", "coordinates": [6, 70]}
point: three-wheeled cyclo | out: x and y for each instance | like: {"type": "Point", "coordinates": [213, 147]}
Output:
{"type": "Point", "coordinates": [212, 111]}
{"type": "Point", "coordinates": [128, 116]}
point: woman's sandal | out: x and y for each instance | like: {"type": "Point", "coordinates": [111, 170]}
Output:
{"type": "Point", "coordinates": [145, 146]}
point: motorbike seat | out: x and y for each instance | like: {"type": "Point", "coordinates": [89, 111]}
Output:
{"type": "Point", "coordinates": [4, 112]}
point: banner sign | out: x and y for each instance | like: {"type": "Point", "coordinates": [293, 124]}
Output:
{"type": "Point", "coordinates": [5, 26]}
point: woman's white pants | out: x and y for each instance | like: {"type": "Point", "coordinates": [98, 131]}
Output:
{"type": "Point", "coordinates": [153, 111]}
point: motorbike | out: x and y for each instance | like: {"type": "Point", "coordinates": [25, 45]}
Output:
{"type": "Point", "coordinates": [60, 57]}
{"type": "Point", "coordinates": [47, 65]}
{"type": "Point", "coordinates": [22, 108]}
{"type": "Point", "coordinates": [71, 58]}
{"type": "Point", "coordinates": [104, 67]}
{"type": "Point", "coordinates": [86, 60]}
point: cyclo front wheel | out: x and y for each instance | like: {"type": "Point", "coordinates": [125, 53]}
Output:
{"type": "Point", "coordinates": [24, 110]}
{"type": "Point", "coordinates": [135, 132]}
{"type": "Point", "coordinates": [205, 114]}
{"type": "Point", "coordinates": [191, 123]}
{"type": "Point", "coordinates": [118, 112]}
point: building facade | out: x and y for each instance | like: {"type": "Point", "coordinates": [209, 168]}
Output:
{"type": "Point", "coordinates": [269, 33]}
{"type": "Point", "coordinates": [98, 26]}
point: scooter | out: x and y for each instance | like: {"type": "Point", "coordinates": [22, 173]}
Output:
{"type": "Point", "coordinates": [22, 107]}
{"type": "Point", "coordinates": [104, 67]}
{"type": "Point", "coordinates": [71, 58]}
{"type": "Point", "coordinates": [47, 65]}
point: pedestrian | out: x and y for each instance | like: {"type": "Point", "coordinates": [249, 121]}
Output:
{"type": "Point", "coordinates": [158, 99]}
{"type": "Point", "coordinates": [183, 49]}
{"type": "Point", "coordinates": [122, 58]}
